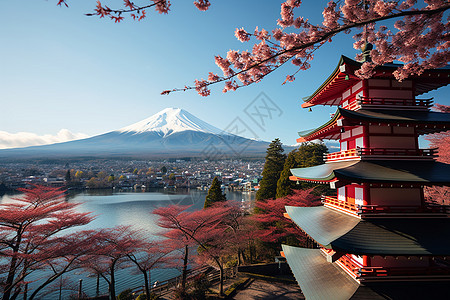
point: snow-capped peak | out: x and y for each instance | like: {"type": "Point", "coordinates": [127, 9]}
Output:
{"type": "Point", "coordinates": [169, 121]}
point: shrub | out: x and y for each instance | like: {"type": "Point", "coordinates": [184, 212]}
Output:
{"type": "Point", "coordinates": [126, 295]}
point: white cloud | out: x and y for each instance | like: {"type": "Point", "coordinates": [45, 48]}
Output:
{"type": "Point", "coordinates": [25, 139]}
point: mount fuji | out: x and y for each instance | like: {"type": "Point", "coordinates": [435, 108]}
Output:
{"type": "Point", "coordinates": [171, 133]}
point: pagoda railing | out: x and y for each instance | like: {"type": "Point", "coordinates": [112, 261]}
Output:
{"type": "Point", "coordinates": [384, 152]}
{"type": "Point", "coordinates": [402, 271]}
{"type": "Point", "coordinates": [366, 210]}
{"type": "Point", "coordinates": [429, 208]}
{"type": "Point", "coordinates": [407, 102]}
{"type": "Point", "coordinates": [356, 271]}
{"type": "Point", "coordinates": [346, 154]}
{"type": "Point", "coordinates": [350, 266]}
{"type": "Point", "coordinates": [340, 205]}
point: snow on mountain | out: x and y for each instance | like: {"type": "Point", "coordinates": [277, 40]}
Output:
{"type": "Point", "coordinates": [170, 121]}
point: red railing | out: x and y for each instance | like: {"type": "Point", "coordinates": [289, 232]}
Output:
{"type": "Point", "coordinates": [361, 272]}
{"type": "Point", "coordinates": [422, 103]}
{"type": "Point", "coordinates": [402, 271]}
{"type": "Point", "coordinates": [340, 205]}
{"type": "Point", "coordinates": [384, 209]}
{"type": "Point", "coordinates": [398, 153]}
{"type": "Point", "coordinates": [349, 265]}
{"type": "Point", "coordinates": [429, 208]}
{"type": "Point", "coordinates": [346, 154]}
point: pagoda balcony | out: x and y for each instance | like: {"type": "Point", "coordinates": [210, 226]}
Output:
{"type": "Point", "coordinates": [366, 273]}
{"type": "Point", "coordinates": [359, 272]}
{"type": "Point", "coordinates": [370, 103]}
{"type": "Point", "coordinates": [363, 211]}
{"type": "Point", "coordinates": [381, 153]}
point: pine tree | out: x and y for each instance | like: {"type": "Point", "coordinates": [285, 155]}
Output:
{"type": "Point", "coordinates": [68, 177]}
{"type": "Point", "coordinates": [284, 185]}
{"type": "Point", "coordinates": [214, 193]}
{"type": "Point", "coordinates": [307, 155]}
{"type": "Point", "coordinates": [271, 173]}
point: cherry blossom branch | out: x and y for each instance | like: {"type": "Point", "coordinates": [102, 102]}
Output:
{"type": "Point", "coordinates": [289, 53]}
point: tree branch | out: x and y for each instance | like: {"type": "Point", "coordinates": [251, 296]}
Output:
{"type": "Point", "coordinates": [325, 35]}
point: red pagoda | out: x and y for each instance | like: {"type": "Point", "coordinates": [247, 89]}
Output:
{"type": "Point", "coordinates": [378, 237]}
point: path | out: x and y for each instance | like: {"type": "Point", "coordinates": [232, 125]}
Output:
{"type": "Point", "coordinates": [265, 290]}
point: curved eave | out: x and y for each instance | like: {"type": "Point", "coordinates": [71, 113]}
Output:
{"type": "Point", "coordinates": [389, 236]}
{"type": "Point", "coordinates": [329, 130]}
{"type": "Point", "coordinates": [324, 225]}
{"type": "Point", "coordinates": [330, 92]}
{"type": "Point", "coordinates": [425, 121]}
{"type": "Point", "coordinates": [317, 278]}
{"type": "Point", "coordinates": [407, 172]}
{"type": "Point", "coordinates": [324, 172]}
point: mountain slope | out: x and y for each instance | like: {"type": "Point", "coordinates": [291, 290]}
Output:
{"type": "Point", "coordinates": [169, 121]}
{"type": "Point", "coordinates": [173, 132]}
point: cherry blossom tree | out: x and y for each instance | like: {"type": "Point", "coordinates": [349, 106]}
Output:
{"type": "Point", "coordinates": [417, 37]}
{"type": "Point", "coordinates": [114, 246]}
{"type": "Point", "coordinates": [238, 231]}
{"type": "Point", "coordinates": [153, 254]}
{"type": "Point", "coordinates": [32, 238]}
{"type": "Point", "coordinates": [277, 229]}
{"type": "Point", "coordinates": [198, 228]}
{"type": "Point", "coordinates": [441, 141]}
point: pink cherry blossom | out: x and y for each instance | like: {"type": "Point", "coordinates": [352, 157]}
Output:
{"type": "Point", "coordinates": [242, 35]}
{"type": "Point", "coordinates": [202, 5]}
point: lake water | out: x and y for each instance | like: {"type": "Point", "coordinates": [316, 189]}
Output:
{"type": "Point", "coordinates": [132, 208]}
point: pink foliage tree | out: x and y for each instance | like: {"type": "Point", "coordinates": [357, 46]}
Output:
{"type": "Point", "coordinates": [151, 255]}
{"type": "Point", "coordinates": [277, 229]}
{"type": "Point", "coordinates": [441, 141]}
{"type": "Point", "coordinates": [114, 245]}
{"type": "Point", "coordinates": [418, 38]}
{"type": "Point", "coordinates": [198, 228]}
{"type": "Point", "coordinates": [32, 238]}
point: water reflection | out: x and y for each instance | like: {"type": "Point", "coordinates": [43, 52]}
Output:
{"type": "Point", "coordinates": [113, 208]}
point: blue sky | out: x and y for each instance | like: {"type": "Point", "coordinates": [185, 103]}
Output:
{"type": "Point", "coordinates": [62, 70]}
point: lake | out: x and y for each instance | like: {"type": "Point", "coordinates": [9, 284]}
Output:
{"type": "Point", "coordinates": [132, 208]}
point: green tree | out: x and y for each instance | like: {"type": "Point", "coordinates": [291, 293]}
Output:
{"type": "Point", "coordinates": [111, 178]}
{"type": "Point", "coordinates": [273, 166]}
{"type": "Point", "coordinates": [78, 174]}
{"type": "Point", "coordinates": [164, 170]}
{"type": "Point", "coordinates": [284, 185]}
{"type": "Point", "coordinates": [307, 155]}
{"type": "Point", "coordinates": [214, 193]}
{"type": "Point", "coordinates": [68, 177]}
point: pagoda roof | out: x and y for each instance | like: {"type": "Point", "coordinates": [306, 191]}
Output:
{"type": "Point", "coordinates": [429, 121]}
{"type": "Point", "coordinates": [320, 279]}
{"type": "Point", "coordinates": [388, 171]}
{"type": "Point", "coordinates": [384, 236]}
{"type": "Point", "coordinates": [330, 92]}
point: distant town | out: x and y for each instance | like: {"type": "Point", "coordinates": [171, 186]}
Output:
{"type": "Point", "coordinates": [132, 175]}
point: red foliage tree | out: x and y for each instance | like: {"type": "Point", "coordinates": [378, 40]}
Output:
{"type": "Point", "coordinates": [197, 228]}
{"type": "Point", "coordinates": [238, 231]}
{"type": "Point", "coordinates": [153, 254]}
{"type": "Point", "coordinates": [31, 238]}
{"type": "Point", "coordinates": [114, 245]}
{"type": "Point", "coordinates": [274, 227]}
{"type": "Point", "coordinates": [441, 141]}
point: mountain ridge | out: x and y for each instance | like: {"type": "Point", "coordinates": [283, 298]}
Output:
{"type": "Point", "coordinates": [170, 133]}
